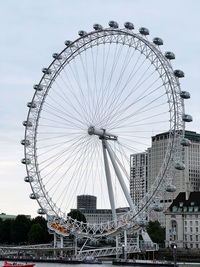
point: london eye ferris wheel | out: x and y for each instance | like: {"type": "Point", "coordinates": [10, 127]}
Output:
{"type": "Point", "coordinates": [99, 101]}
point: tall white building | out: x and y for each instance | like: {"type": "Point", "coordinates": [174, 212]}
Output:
{"type": "Point", "coordinates": [138, 176]}
{"type": "Point", "coordinates": [189, 179]}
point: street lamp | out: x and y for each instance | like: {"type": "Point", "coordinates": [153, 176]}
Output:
{"type": "Point", "coordinates": [174, 246]}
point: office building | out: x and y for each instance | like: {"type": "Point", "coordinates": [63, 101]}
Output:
{"type": "Point", "coordinates": [87, 202]}
{"type": "Point", "coordinates": [183, 221]}
{"type": "Point", "coordinates": [189, 179]}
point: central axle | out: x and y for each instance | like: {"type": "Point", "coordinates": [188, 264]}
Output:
{"type": "Point", "coordinates": [102, 133]}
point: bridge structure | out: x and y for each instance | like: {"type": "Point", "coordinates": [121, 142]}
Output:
{"type": "Point", "coordinates": [130, 246]}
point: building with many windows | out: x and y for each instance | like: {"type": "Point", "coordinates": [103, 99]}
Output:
{"type": "Point", "coordinates": [183, 221]}
{"type": "Point", "coordinates": [87, 202]}
{"type": "Point", "coordinates": [189, 179]}
{"type": "Point", "coordinates": [138, 181]}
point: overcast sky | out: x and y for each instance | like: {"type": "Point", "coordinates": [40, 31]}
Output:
{"type": "Point", "coordinates": [30, 31]}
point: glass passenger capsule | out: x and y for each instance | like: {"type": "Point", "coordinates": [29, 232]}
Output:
{"type": "Point", "coordinates": [129, 25]}
{"type": "Point", "coordinates": [41, 211]}
{"type": "Point", "coordinates": [38, 87]}
{"type": "Point", "coordinates": [97, 27]}
{"type": "Point", "coordinates": [179, 166]}
{"type": "Point", "coordinates": [113, 24]}
{"type": "Point", "coordinates": [170, 188]}
{"type": "Point", "coordinates": [157, 207]}
{"type": "Point", "coordinates": [185, 142]}
{"type": "Point", "coordinates": [169, 55]}
{"type": "Point", "coordinates": [25, 161]}
{"type": "Point", "coordinates": [25, 142]}
{"type": "Point", "coordinates": [46, 71]}
{"type": "Point", "coordinates": [179, 73]}
{"type": "Point", "coordinates": [34, 196]}
{"type": "Point", "coordinates": [187, 118]}
{"type": "Point", "coordinates": [184, 94]}
{"type": "Point", "coordinates": [28, 179]}
{"type": "Point", "coordinates": [142, 223]}
{"type": "Point", "coordinates": [144, 31]}
{"type": "Point", "coordinates": [31, 105]}
{"type": "Point", "coordinates": [82, 33]}
{"type": "Point", "coordinates": [68, 42]}
{"type": "Point", "coordinates": [57, 56]}
{"type": "Point", "coordinates": [157, 41]}
{"type": "Point", "coordinates": [27, 123]}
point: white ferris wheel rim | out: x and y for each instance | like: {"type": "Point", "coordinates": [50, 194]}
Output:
{"type": "Point", "coordinates": [94, 39]}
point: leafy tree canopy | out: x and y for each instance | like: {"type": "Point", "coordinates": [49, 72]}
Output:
{"type": "Point", "coordinates": [156, 232]}
{"type": "Point", "coordinates": [77, 215]}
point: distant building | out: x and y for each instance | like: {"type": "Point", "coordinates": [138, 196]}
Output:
{"type": "Point", "coordinates": [101, 215]}
{"type": "Point", "coordinates": [4, 217]}
{"type": "Point", "coordinates": [138, 176]}
{"type": "Point", "coordinates": [183, 221]}
{"type": "Point", "coordinates": [87, 202]}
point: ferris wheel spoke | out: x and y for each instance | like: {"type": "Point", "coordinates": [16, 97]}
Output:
{"type": "Point", "coordinates": [54, 171]}
{"type": "Point", "coordinates": [135, 112]}
{"type": "Point", "coordinates": [64, 113]}
{"type": "Point", "coordinates": [53, 159]}
{"type": "Point", "coordinates": [85, 172]}
{"type": "Point", "coordinates": [60, 94]}
{"type": "Point", "coordinates": [123, 88]}
{"type": "Point", "coordinates": [56, 146]}
{"type": "Point", "coordinates": [137, 99]}
{"type": "Point", "coordinates": [73, 179]}
{"type": "Point", "coordinates": [132, 75]}
{"type": "Point", "coordinates": [110, 75]}
{"type": "Point", "coordinates": [68, 84]}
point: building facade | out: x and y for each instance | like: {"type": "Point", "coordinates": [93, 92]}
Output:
{"type": "Point", "coordinates": [183, 221]}
{"type": "Point", "coordinates": [87, 202]}
{"type": "Point", "coordinates": [189, 179]}
{"type": "Point", "coordinates": [138, 176]}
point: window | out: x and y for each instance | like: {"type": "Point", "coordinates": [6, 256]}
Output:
{"type": "Point", "coordinates": [196, 223]}
{"type": "Point", "coordinates": [185, 229]}
{"type": "Point", "coordinates": [190, 223]}
{"type": "Point", "coordinates": [197, 238]}
{"type": "Point", "coordinates": [197, 229]}
{"type": "Point", "coordinates": [191, 245]}
{"type": "Point", "coordinates": [190, 209]}
{"type": "Point", "coordinates": [190, 237]}
{"type": "Point", "coordinates": [191, 229]}
{"type": "Point", "coordinates": [197, 245]}
{"type": "Point", "coordinates": [174, 209]}
{"type": "Point", "coordinates": [184, 209]}
{"type": "Point", "coordinates": [185, 222]}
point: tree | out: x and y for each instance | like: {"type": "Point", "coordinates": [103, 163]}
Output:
{"type": "Point", "coordinates": [43, 223]}
{"type": "Point", "coordinates": [36, 234]}
{"type": "Point", "coordinates": [156, 232]}
{"type": "Point", "coordinates": [77, 215]}
{"type": "Point", "coordinates": [20, 229]}
{"type": "Point", "coordinates": [5, 231]}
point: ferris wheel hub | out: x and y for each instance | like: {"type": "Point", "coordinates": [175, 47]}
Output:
{"type": "Point", "coordinates": [102, 133]}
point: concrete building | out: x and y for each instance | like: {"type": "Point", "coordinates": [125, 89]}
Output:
{"type": "Point", "coordinates": [189, 179]}
{"type": "Point", "coordinates": [87, 202]}
{"type": "Point", "coordinates": [138, 176]}
{"type": "Point", "coordinates": [183, 221]}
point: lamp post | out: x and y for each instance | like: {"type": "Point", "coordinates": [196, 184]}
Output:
{"type": "Point", "coordinates": [174, 252]}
